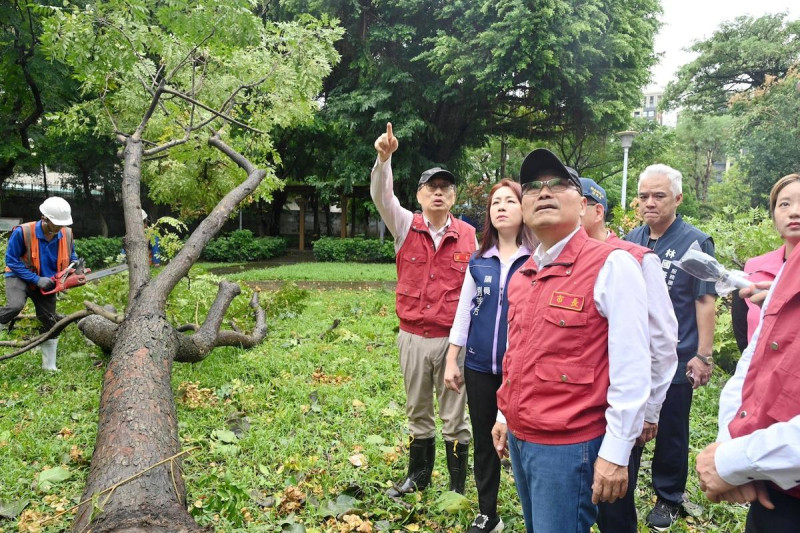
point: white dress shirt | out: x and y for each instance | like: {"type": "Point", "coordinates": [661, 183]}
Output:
{"type": "Point", "coordinates": [663, 328]}
{"type": "Point", "coordinates": [771, 453]}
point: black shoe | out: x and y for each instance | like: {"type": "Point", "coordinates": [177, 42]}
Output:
{"type": "Point", "coordinates": [484, 524]}
{"type": "Point", "coordinates": [663, 515]}
{"type": "Point", "coordinates": [421, 455]}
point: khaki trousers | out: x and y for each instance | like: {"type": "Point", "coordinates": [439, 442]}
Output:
{"type": "Point", "coordinates": [422, 361]}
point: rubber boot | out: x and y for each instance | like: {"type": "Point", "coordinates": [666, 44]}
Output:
{"type": "Point", "coordinates": [457, 455]}
{"type": "Point", "coordinates": [421, 455]}
{"type": "Point", "coordinates": [48, 348]}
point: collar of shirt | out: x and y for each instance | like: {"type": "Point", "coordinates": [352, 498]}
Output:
{"type": "Point", "coordinates": [494, 252]}
{"type": "Point", "coordinates": [40, 232]}
{"type": "Point", "coordinates": [441, 231]}
{"type": "Point", "coordinates": [544, 257]}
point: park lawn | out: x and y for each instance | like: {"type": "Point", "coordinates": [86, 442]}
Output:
{"type": "Point", "coordinates": [324, 406]}
{"type": "Point", "coordinates": [321, 272]}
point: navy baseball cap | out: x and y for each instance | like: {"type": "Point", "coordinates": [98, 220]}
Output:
{"type": "Point", "coordinates": [436, 172]}
{"type": "Point", "coordinates": [543, 161]}
{"type": "Point", "coordinates": [593, 191]}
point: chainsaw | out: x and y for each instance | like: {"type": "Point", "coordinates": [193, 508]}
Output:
{"type": "Point", "coordinates": [76, 274]}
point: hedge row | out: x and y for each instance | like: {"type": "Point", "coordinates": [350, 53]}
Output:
{"type": "Point", "coordinates": [241, 245]}
{"type": "Point", "coordinates": [354, 250]}
{"type": "Point", "coordinates": [98, 251]}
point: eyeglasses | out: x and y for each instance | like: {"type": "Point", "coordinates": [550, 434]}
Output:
{"type": "Point", "coordinates": [444, 187]}
{"type": "Point", "coordinates": [534, 188]}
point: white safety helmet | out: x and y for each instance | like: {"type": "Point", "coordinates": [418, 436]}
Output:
{"type": "Point", "coordinates": [144, 215]}
{"type": "Point", "coordinates": [57, 211]}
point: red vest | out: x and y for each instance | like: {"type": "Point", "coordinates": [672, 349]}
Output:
{"type": "Point", "coordinates": [429, 281]}
{"type": "Point", "coordinates": [555, 371]}
{"type": "Point", "coordinates": [771, 389]}
{"type": "Point", "coordinates": [637, 251]}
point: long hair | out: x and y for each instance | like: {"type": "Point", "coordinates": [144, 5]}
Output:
{"type": "Point", "coordinates": [490, 237]}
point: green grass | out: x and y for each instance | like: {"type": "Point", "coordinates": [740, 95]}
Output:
{"type": "Point", "coordinates": [315, 397]}
{"type": "Point", "coordinates": [321, 272]}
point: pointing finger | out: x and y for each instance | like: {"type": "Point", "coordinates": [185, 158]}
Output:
{"type": "Point", "coordinates": [389, 133]}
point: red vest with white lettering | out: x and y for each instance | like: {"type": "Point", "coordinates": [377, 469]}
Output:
{"type": "Point", "coordinates": [771, 389]}
{"type": "Point", "coordinates": [429, 280]}
{"type": "Point", "coordinates": [555, 371]}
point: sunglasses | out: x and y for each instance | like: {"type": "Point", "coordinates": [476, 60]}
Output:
{"type": "Point", "coordinates": [534, 188]}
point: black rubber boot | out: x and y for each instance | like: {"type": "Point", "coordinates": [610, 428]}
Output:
{"type": "Point", "coordinates": [421, 455]}
{"type": "Point", "coordinates": [457, 455]}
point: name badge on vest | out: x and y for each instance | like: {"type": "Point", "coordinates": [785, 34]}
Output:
{"type": "Point", "coordinates": [566, 301]}
{"type": "Point", "coordinates": [461, 257]}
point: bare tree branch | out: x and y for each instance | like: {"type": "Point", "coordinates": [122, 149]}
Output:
{"type": "Point", "coordinates": [192, 351]}
{"type": "Point", "coordinates": [49, 334]}
{"type": "Point", "coordinates": [210, 110]}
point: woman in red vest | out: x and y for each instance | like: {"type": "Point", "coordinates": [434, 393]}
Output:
{"type": "Point", "coordinates": [757, 454]}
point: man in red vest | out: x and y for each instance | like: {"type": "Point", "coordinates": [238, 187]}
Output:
{"type": "Point", "coordinates": [37, 251]}
{"type": "Point", "coordinates": [576, 375]}
{"type": "Point", "coordinates": [757, 454]}
{"type": "Point", "coordinates": [433, 250]}
{"type": "Point", "coordinates": [620, 516]}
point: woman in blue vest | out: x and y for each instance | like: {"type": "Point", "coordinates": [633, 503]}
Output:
{"type": "Point", "coordinates": [480, 325]}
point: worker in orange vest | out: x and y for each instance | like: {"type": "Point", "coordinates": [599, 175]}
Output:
{"type": "Point", "coordinates": [36, 252]}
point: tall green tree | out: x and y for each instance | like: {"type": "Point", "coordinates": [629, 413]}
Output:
{"type": "Point", "coordinates": [767, 133]}
{"type": "Point", "coordinates": [450, 74]}
{"type": "Point", "coordinates": [191, 90]}
{"type": "Point", "coordinates": [30, 85]}
{"type": "Point", "coordinates": [702, 140]}
{"type": "Point", "coordinates": [740, 56]}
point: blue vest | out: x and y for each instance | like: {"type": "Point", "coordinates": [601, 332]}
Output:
{"type": "Point", "coordinates": [488, 327]}
{"type": "Point", "coordinates": [683, 288]}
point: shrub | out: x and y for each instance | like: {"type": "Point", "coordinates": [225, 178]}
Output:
{"type": "Point", "coordinates": [356, 249]}
{"type": "Point", "coordinates": [98, 251]}
{"type": "Point", "coordinates": [241, 245]}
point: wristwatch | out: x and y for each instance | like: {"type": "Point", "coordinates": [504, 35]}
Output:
{"type": "Point", "coordinates": [707, 359]}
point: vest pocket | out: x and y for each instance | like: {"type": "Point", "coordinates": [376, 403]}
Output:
{"type": "Point", "coordinates": [563, 331]}
{"type": "Point", "coordinates": [409, 291]}
{"type": "Point", "coordinates": [556, 390]}
{"type": "Point", "coordinates": [785, 405]}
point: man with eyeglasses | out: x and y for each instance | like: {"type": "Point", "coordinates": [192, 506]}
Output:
{"type": "Point", "coordinates": [669, 236]}
{"type": "Point", "coordinates": [433, 250]}
{"type": "Point", "coordinates": [576, 374]}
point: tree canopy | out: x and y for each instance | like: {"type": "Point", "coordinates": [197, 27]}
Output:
{"type": "Point", "coordinates": [740, 56]}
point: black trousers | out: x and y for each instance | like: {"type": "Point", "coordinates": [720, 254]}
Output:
{"type": "Point", "coordinates": [482, 401]}
{"type": "Point", "coordinates": [670, 463]}
{"type": "Point", "coordinates": [785, 518]}
{"type": "Point", "coordinates": [620, 516]}
{"type": "Point", "coordinates": [17, 291]}
{"type": "Point", "coordinates": [671, 454]}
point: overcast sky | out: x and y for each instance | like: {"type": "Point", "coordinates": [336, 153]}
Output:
{"type": "Point", "coordinates": [686, 21]}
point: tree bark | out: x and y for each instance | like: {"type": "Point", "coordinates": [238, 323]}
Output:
{"type": "Point", "coordinates": [137, 428]}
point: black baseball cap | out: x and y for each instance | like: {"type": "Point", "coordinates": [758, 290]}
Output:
{"type": "Point", "coordinates": [542, 161]}
{"type": "Point", "coordinates": [436, 172]}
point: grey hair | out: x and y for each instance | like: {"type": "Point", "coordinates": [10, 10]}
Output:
{"type": "Point", "coordinates": [675, 176]}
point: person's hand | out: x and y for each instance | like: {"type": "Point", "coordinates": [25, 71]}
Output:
{"type": "Point", "coordinates": [45, 284]}
{"type": "Point", "coordinates": [757, 292]}
{"type": "Point", "coordinates": [386, 144]}
{"type": "Point", "coordinates": [649, 432]}
{"type": "Point", "coordinates": [700, 371]}
{"type": "Point", "coordinates": [452, 376]}
{"type": "Point", "coordinates": [610, 481]}
{"type": "Point", "coordinates": [717, 489]}
{"type": "Point", "coordinates": [500, 439]}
